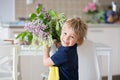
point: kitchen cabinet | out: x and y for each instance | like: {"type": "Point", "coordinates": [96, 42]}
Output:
{"type": "Point", "coordinates": [107, 34]}
{"type": "Point", "coordinates": [10, 31]}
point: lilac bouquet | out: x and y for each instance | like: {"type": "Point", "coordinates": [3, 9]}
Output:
{"type": "Point", "coordinates": [43, 27]}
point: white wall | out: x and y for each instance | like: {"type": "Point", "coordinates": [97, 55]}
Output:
{"type": "Point", "coordinates": [7, 10]}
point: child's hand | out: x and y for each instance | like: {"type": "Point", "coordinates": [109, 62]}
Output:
{"type": "Point", "coordinates": [47, 49]}
{"type": "Point", "coordinates": [57, 44]}
{"type": "Point", "coordinates": [46, 57]}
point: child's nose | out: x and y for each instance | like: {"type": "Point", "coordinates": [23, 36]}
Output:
{"type": "Point", "coordinates": [67, 38]}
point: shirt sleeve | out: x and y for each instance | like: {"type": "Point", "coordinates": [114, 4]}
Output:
{"type": "Point", "coordinates": [60, 56]}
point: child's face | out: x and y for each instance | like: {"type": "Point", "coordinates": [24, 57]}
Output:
{"type": "Point", "coordinates": [68, 36]}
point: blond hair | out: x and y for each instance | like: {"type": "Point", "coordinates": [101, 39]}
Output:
{"type": "Point", "coordinates": [79, 27]}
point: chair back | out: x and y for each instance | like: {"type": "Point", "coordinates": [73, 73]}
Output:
{"type": "Point", "coordinates": [88, 62]}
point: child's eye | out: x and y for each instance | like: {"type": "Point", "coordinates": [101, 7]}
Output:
{"type": "Point", "coordinates": [72, 37]}
{"type": "Point", "coordinates": [65, 33]}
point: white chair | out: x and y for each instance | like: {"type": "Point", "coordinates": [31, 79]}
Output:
{"type": "Point", "coordinates": [9, 62]}
{"type": "Point", "coordinates": [88, 62]}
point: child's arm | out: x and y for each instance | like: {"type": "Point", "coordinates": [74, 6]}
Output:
{"type": "Point", "coordinates": [46, 57]}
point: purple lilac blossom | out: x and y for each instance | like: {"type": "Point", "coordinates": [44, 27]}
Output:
{"type": "Point", "coordinates": [37, 28]}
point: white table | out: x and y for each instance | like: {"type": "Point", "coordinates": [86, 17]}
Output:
{"type": "Point", "coordinates": [103, 50]}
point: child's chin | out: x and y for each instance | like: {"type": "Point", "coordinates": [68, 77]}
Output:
{"type": "Point", "coordinates": [65, 45]}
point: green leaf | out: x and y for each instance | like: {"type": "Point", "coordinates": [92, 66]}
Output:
{"type": "Point", "coordinates": [32, 17]}
{"type": "Point", "coordinates": [41, 17]}
{"type": "Point", "coordinates": [39, 9]}
{"type": "Point", "coordinates": [45, 21]}
{"type": "Point", "coordinates": [23, 36]}
{"type": "Point", "coordinates": [30, 37]}
{"type": "Point", "coordinates": [57, 26]}
{"type": "Point", "coordinates": [18, 36]}
{"type": "Point", "coordinates": [50, 24]}
{"type": "Point", "coordinates": [26, 35]}
{"type": "Point", "coordinates": [53, 14]}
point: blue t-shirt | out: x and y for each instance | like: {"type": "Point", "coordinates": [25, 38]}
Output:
{"type": "Point", "coordinates": [66, 59]}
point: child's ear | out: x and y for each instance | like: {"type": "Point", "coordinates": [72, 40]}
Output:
{"type": "Point", "coordinates": [80, 41]}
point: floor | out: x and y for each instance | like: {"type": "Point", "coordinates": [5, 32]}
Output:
{"type": "Point", "coordinates": [116, 77]}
